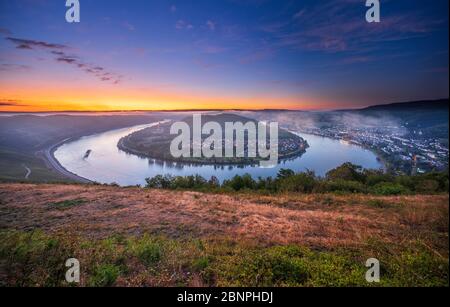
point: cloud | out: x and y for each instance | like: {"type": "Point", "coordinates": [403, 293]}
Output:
{"type": "Point", "coordinates": [30, 44]}
{"type": "Point", "coordinates": [11, 103]}
{"type": "Point", "coordinates": [67, 60]}
{"type": "Point", "coordinates": [358, 121]}
{"type": "Point", "coordinates": [356, 60]}
{"type": "Point", "coordinates": [5, 31]}
{"type": "Point", "coordinates": [204, 64]}
{"type": "Point", "coordinates": [183, 25]}
{"type": "Point", "coordinates": [173, 8]}
{"type": "Point", "coordinates": [299, 14]}
{"type": "Point", "coordinates": [211, 49]}
{"type": "Point", "coordinates": [442, 69]}
{"type": "Point", "coordinates": [335, 27]}
{"type": "Point", "coordinates": [258, 55]}
{"type": "Point", "coordinates": [14, 67]}
{"type": "Point", "coordinates": [318, 120]}
{"type": "Point", "coordinates": [211, 25]}
{"type": "Point", "coordinates": [61, 55]}
{"type": "Point", "coordinates": [129, 26]}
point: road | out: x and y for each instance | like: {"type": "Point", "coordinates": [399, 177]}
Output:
{"type": "Point", "coordinates": [52, 162]}
{"type": "Point", "coordinates": [27, 175]}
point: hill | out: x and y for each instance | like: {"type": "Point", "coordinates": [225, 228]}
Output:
{"type": "Point", "coordinates": [440, 104]}
{"type": "Point", "coordinates": [430, 117]}
{"type": "Point", "coordinates": [23, 138]}
{"type": "Point", "coordinates": [145, 237]}
{"type": "Point", "coordinates": [155, 142]}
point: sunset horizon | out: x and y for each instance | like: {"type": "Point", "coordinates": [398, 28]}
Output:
{"type": "Point", "coordinates": [224, 151]}
{"type": "Point", "coordinates": [23, 108]}
{"type": "Point", "coordinates": [162, 55]}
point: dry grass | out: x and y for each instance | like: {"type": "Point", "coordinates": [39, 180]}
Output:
{"type": "Point", "coordinates": [317, 221]}
{"type": "Point", "coordinates": [142, 237]}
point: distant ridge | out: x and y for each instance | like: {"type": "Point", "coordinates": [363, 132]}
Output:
{"type": "Point", "coordinates": [422, 104]}
{"type": "Point", "coordinates": [411, 105]}
{"type": "Point", "coordinates": [428, 116]}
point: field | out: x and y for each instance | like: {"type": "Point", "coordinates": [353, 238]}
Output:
{"type": "Point", "coordinates": [24, 139]}
{"type": "Point", "coordinates": [144, 237]}
{"type": "Point", "coordinates": [14, 165]}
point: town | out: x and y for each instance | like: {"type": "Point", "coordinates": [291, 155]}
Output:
{"type": "Point", "coordinates": [403, 153]}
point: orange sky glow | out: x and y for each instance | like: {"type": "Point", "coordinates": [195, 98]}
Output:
{"type": "Point", "coordinates": [42, 98]}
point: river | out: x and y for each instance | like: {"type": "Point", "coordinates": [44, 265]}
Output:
{"type": "Point", "coordinates": [107, 164]}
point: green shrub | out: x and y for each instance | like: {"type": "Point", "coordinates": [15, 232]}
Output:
{"type": "Point", "coordinates": [427, 186]}
{"type": "Point", "coordinates": [378, 203]}
{"type": "Point", "coordinates": [302, 182]}
{"type": "Point", "coordinates": [347, 178]}
{"type": "Point", "coordinates": [346, 172]}
{"type": "Point", "coordinates": [285, 173]}
{"type": "Point", "coordinates": [148, 250]}
{"type": "Point", "coordinates": [238, 183]}
{"type": "Point", "coordinates": [200, 264]}
{"type": "Point", "coordinates": [374, 177]}
{"type": "Point", "coordinates": [104, 275]}
{"type": "Point", "coordinates": [159, 182]}
{"type": "Point", "coordinates": [345, 186]}
{"type": "Point", "coordinates": [289, 266]}
{"type": "Point", "coordinates": [66, 204]}
{"type": "Point", "coordinates": [389, 189]}
{"type": "Point", "coordinates": [35, 259]}
{"type": "Point", "coordinates": [272, 267]}
{"type": "Point", "coordinates": [22, 252]}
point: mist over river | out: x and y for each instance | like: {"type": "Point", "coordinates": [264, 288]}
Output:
{"type": "Point", "coordinates": [107, 164]}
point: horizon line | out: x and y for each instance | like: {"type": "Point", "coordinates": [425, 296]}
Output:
{"type": "Point", "coordinates": [222, 110]}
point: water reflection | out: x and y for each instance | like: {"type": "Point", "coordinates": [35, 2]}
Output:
{"type": "Point", "coordinates": [107, 164]}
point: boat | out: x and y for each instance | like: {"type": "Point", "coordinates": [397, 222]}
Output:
{"type": "Point", "coordinates": [86, 155]}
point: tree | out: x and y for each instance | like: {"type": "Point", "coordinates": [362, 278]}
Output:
{"type": "Point", "coordinates": [214, 182]}
{"type": "Point", "coordinates": [347, 171]}
{"type": "Point", "coordinates": [284, 173]}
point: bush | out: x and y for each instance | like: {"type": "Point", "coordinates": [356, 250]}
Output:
{"type": "Point", "coordinates": [285, 173]}
{"type": "Point", "coordinates": [147, 250]}
{"type": "Point", "coordinates": [347, 178]}
{"type": "Point", "coordinates": [200, 264]}
{"type": "Point", "coordinates": [37, 260]}
{"type": "Point", "coordinates": [374, 177]}
{"type": "Point", "coordinates": [20, 251]}
{"type": "Point", "coordinates": [378, 203]}
{"type": "Point", "coordinates": [276, 266]}
{"type": "Point", "coordinates": [345, 186]}
{"type": "Point", "coordinates": [238, 183]}
{"type": "Point", "coordinates": [347, 172]}
{"type": "Point", "coordinates": [302, 182]}
{"type": "Point", "coordinates": [159, 182]}
{"type": "Point", "coordinates": [214, 182]}
{"type": "Point", "coordinates": [389, 189]}
{"type": "Point", "coordinates": [104, 275]}
{"type": "Point", "coordinates": [428, 186]}
{"type": "Point", "coordinates": [406, 181]}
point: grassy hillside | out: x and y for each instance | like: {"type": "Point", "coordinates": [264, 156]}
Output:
{"type": "Point", "coordinates": [431, 117]}
{"type": "Point", "coordinates": [22, 137]}
{"type": "Point", "coordinates": [145, 237]}
{"type": "Point", "coordinates": [14, 166]}
{"type": "Point", "coordinates": [156, 143]}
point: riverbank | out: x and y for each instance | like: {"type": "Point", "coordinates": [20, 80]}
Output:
{"type": "Point", "coordinates": [49, 158]}
{"type": "Point", "coordinates": [192, 162]}
{"type": "Point", "coordinates": [154, 143]}
{"type": "Point", "coordinates": [380, 158]}
{"type": "Point", "coordinates": [130, 168]}
{"type": "Point", "coordinates": [48, 155]}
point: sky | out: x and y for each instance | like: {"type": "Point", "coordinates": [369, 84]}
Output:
{"type": "Point", "coordinates": [220, 54]}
